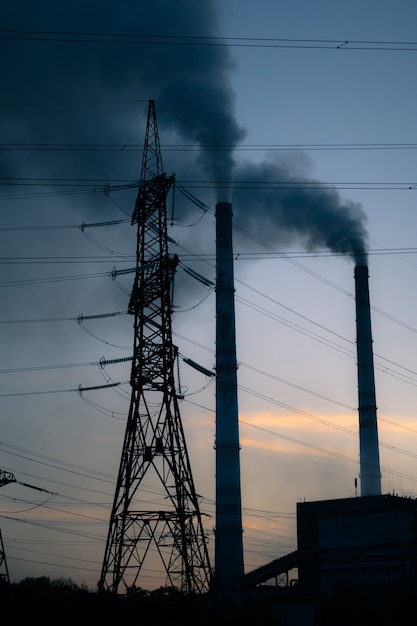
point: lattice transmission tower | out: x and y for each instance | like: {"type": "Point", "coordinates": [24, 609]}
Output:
{"type": "Point", "coordinates": [5, 479]}
{"type": "Point", "coordinates": [4, 572]}
{"type": "Point", "coordinates": [155, 469]}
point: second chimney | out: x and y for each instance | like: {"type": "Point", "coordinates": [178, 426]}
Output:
{"type": "Point", "coordinates": [370, 471]}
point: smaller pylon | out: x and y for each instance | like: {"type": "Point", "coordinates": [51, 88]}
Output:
{"type": "Point", "coordinates": [4, 572]}
{"type": "Point", "coordinates": [5, 479]}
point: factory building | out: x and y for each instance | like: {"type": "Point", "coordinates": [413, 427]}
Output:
{"type": "Point", "coordinates": [368, 544]}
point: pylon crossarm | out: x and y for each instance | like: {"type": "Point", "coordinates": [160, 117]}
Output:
{"type": "Point", "coordinates": [6, 478]}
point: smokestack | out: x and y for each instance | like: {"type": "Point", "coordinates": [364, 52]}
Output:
{"type": "Point", "coordinates": [229, 541]}
{"type": "Point", "coordinates": [370, 472]}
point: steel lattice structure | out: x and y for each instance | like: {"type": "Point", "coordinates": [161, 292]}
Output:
{"type": "Point", "coordinates": [5, 479]}
{"type": "Point", "coordinates": [170, 530]}
{"type": "Point", "coordinates": [4, 572]}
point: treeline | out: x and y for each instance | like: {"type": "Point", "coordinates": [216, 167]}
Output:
{"type": "Point", "coordinates": [45, 601]}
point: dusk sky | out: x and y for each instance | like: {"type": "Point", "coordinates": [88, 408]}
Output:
{"type": "Point", "coordinates": [302, 115]}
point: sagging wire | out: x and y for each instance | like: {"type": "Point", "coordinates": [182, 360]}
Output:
{"type": "Point", "coordinates": [35, 506]}
{"type": "Point", "coordinates": [204, 207]}
{"type": "Point", "coordinates": [205, 281]}
{"type": "Point", "coordinates": [106, 191]}
{"type": "Point", "coordinates": [202, 279]}
{"type": "Point", "coordinates": [80, 323]}
{"type": "Point", "coordinates": [117, 415]}
{"type": "Point", "coordinates": [197, 391]}
{"type": "Point", "coordinates": [191, 308]}
{"type": "Point", "coordinates": [9, 478]}
{"type": "Point", "coordinates": [190, 197]}
{"type": "Point", "coordinates": [103, 247]}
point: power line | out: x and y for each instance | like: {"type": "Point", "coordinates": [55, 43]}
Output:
{"type": "Point", "coordinates": [403, 377]}
{"type": "Point", "coordinates": [64, 182]}
{"type": "Point", "coordinates": [81, 226]}
{"type": "Point", "coordinates": [321, 420]}
{"type": "Point", "coordinates": [80, 390]}
{"type": "Point", "coordinates": [36, 368]}
{"type": "Point", "coordinates": [86, 184]}
{"type": "Point", "coordinates": [216, 185]}
{"type": "Point", "coordinates": [64, 484]}
{"type": "Point", "coordinates": [80, 318]}
{"type": "Point", "coordinates": [306, 444]}
{"type": "Point", "coordinates": [52, 527]}
{"type": "Point", "coordinates": [177, 147]}
{"type": "Point", "coordinates": [310, 185]}
{"type": "Point", "coordinates": [52, 279]}
{"type": "Point", "coordinates": [63, 260]}
{"type": "Point", "coordinates": [201, 40]}
{"type": "Point", "coordinates": [60, 556]}
{"type": "Point", "coordinates": [240, 256]}
{"type": "Point", "coordinates": [400, 376]}
{"type": "Point", "coordinates": [68, 192]}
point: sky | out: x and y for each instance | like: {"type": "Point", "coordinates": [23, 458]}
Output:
{"type": "Point", "coordinates": [303, 116]}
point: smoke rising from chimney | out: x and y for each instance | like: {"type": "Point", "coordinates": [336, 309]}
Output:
{"type": "Point", "coordinates": [192, 84]}
{"type": "Point", "coordinates": [196, 89]}
{"type": "Point", "coordinates": [276, 205]}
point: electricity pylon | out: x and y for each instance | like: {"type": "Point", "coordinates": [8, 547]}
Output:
{"type": "Point", "coordinates": [5, 479]}
{"type": "Point", "coordinates": [170, 530]}
{"type": "Point", "coordinates": [4, 572]}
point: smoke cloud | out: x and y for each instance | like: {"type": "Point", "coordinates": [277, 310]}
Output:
{"type": "Point", "coordinates": [191, 83]}
{"type": "Point", "coordinates": [279, 207]}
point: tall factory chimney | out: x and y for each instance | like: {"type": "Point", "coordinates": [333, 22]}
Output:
{"type": "Point", "coordinates": [229, 541]}
{"type": "Point", "coordinates": [370, 472]}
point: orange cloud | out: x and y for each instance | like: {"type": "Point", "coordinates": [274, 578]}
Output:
{"type": "Point", "coordinates": [300, 421]}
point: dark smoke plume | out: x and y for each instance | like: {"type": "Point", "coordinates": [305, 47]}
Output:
{"type": "Point", "coordinates": [191, 83]}
{"type": "Point", "coordinates": [275, 205]}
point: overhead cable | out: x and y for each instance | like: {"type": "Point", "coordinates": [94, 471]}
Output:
{"type": "Point", "coordinates": [190, 40]}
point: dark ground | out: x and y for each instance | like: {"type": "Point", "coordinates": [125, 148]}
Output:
{"type": "Point", "coordinates": [42, 601]}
